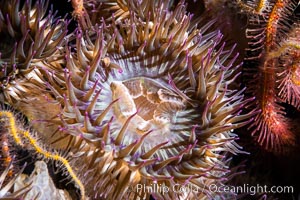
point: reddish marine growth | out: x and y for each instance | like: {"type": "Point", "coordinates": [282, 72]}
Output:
{"type": "Point", "coordinates": [268, 48]}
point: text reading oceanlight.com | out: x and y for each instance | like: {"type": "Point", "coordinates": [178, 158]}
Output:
{"type": "Point", "coordinates": [189, 188]}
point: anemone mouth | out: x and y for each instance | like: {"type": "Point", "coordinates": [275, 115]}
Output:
{"type": "Point", "coordinates": [154, 108]}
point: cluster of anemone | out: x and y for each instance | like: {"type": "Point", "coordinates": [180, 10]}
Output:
{"type": "Point", "coordinates": [138, 94]}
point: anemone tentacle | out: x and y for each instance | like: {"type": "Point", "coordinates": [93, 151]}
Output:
{"type": "Point", "coordinates": [150, 101]}
{"type": "Point", "coordinates": [31, 37]}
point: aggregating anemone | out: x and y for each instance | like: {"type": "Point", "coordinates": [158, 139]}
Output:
{"type": "Point", "coordinates": [99, 9]}
{"type": "Point", "coordinates": [150, 102]}
{"type": "Point", "coordinates": [139, 94]}
{"type": "Point", "coordinates": [29, 37]}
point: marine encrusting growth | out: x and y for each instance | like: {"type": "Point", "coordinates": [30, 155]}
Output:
{"type": "Point", "coordinates": [273, 41]}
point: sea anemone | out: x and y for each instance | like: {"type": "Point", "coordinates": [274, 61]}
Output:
{"type": "Point", "coordinates": [33, 41]}
{"type": "Point", "coordinates": [148, 102]}
{"type": "Point", "coordinates": [31, 38]}
{"type": "Point", "coordinates": [120, 9]}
